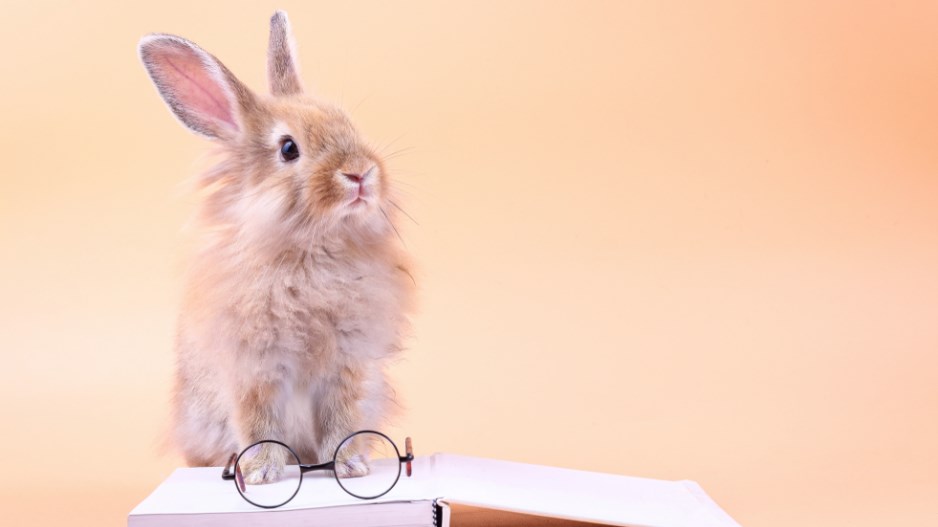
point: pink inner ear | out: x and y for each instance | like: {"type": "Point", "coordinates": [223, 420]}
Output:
{"type": "Point", "coordinates": [193, 86]}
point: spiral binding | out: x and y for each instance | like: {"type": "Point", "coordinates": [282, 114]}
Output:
{"type": "Point", "coordinates": [437, 514]}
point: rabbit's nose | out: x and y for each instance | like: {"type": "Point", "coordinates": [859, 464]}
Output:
{"type": "Point", "coordinates": [357, 173]}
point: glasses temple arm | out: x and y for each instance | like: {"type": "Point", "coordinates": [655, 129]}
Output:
{"type": "Point", "coordinates": [409, 448]}
{"type": "Point", "coordinates": [227, 474]}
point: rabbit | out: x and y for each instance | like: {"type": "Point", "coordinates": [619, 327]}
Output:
{"type": "Point", "coordinates": [299, 292]}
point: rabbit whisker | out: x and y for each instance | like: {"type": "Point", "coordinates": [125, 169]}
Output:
{"type": "Point", "coordinates": [382, 148]}
{"type": "Point", "coordinates": [398, 207]}
{"type": "Point", "coordinates": [398, 153]}
{"type": "Point", "coordinates": [386, 217]}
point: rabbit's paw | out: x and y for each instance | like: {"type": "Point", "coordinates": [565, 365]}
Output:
{"type": "Point", "coordinates": [265, 467]}
{"type": "Point", "coordinates": [352, 467]}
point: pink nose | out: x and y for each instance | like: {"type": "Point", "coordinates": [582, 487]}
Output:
{"type": "Point", "coordinates": [354, 178]}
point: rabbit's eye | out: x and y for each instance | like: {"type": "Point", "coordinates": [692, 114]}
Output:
{"type": "Point", "coordinates": [288, 149]}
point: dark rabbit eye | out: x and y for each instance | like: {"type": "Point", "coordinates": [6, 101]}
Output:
{"type": "Point", "coordinates": [288, 149]}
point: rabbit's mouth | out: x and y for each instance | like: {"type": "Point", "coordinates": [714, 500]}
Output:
{"type": "Point", "coordinates": [359, 186]}
{"type": "Point", "coordinates": [358, 196]}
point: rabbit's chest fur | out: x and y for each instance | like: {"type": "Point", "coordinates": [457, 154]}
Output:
{"type": "Point", "coordinates": [318, 310]}
{"type": "Point", "coordinates": [310, 323]}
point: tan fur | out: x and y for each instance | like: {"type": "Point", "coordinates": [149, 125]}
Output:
{"type": "Point", "coordinates": [281, 69]}
{"type": "Point", "coordinates": [295, 300]}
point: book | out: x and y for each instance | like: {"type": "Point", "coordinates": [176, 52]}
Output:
{"type": "Point", "coordinates": [199, 497]}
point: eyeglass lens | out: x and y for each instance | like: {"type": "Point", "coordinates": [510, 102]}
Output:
{"type": "Point", "coordinates": [264, 485]}
{"type": "Point", "coordinates": [381, 472]}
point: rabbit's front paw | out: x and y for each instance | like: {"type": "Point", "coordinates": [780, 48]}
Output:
{"type": "Point", "coordinates": [266, 466]}
{"type": "Point", "coordinates": [352, 467]}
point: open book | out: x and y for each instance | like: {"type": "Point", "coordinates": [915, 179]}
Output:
{"type": "Point", "coordinates": [193, 497]}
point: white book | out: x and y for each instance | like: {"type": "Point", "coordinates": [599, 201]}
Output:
{"type": "Point", "coordinates": [199, 497]}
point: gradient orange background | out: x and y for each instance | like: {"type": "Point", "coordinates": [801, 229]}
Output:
{"type": "Point", "coordinates": [659, 239]}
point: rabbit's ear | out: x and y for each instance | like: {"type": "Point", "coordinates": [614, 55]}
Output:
{"type": "Point", "coordinates": [199, 89]}
{"type": "Point", "coordinates": [281, 58]}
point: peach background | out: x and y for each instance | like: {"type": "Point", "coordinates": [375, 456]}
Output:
{"type": "Point", "coordinates": [659, 239]}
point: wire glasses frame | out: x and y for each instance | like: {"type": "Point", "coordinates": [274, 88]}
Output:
{"type": "Point", "coordinates": [232, 470]}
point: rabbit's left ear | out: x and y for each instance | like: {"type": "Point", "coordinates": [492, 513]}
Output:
{"type": "Point", "coordinates": [281, 58]}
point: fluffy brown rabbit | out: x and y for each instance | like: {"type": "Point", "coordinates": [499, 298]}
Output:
{"type": "Point", "coordinates": [299, 292]}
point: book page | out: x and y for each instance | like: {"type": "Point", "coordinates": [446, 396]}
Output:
{"type": "Point", "coordinates": [202, 491]}
{"type": "Point", "coordinates": [575, 495]}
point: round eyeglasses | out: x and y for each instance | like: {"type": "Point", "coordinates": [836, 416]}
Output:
{"type": "Point", "coordinates": [260, 480]}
